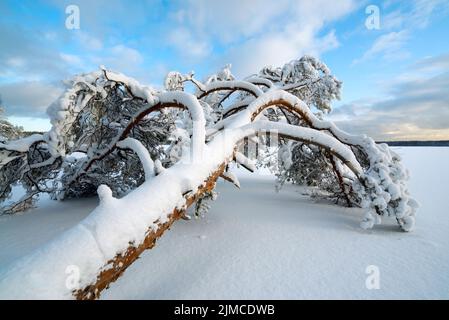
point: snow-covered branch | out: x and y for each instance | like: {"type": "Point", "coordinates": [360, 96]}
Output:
{"type": "Point", "coordinates": [231, 85]}
{"type": "Point", "coordinates": [142, 152]}
{"type": "Point", "coordinates": [307, 135]}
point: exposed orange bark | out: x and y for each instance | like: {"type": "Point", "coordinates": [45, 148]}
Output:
{"type": "Point", "coordinates": [115, 267]}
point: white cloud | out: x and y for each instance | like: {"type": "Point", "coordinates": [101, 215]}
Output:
{"type": "Point", "coordinates": [15, 62]}
{"type": "Point", "coordinates": [71, 59]}
{"type": "Point", "coordinates": [88, 41]}
{"type": "Point", "coordinates": [125, 53]}
{"type": "Point", "coordinates": [120, 58]}
{"type": "Point", "coordinates": [415, 107]}
{"type": "Point", "coordinates": [231, 19]}
{"type": "Point", "coordinates": [277, 49]}
{"type": "Point", "coordinates": [399, 25]}
{"type": "Point", "coordinates": [388, 46]}
{"type": "Point", "coordinates": [28, 98]}
{"type": "Point", "coordinates": [28, 56]}
{"type": "Point", "coordinates": [415, 14]}
{"type": "Point", "coordinates": [187, 44]}
{"type": "Point", "coordinates": [433, 63]}
{"type": "Point", "coordinates": [422, 11]}
{"type": "Point", "coordinates": [254, 34]}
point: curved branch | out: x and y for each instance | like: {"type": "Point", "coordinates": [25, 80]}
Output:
{"type": "Point", "coordinates": [308, 135]}
{"type": "Point", "coordinates": [293, 104]}
{"type": "Point", "coordinates": [179, 100]}
{"type": "Point", "coordinates": [298, 85]}
{"type": "Point", "coordinates": [231, 85]}
{"type": "Point", "coordinates": [142, 153]}
{"type": "Point", "coordinates": [260, 81]}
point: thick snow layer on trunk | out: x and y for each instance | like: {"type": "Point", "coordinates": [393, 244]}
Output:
{"type": "Point", "coordinates": [110, 228]}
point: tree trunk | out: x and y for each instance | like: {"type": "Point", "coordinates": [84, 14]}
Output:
{"type": "Point", "coordinates": [115, 267]}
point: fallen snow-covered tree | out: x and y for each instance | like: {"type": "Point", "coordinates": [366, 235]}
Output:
{"type": "Point", "coordinates": [151, 154]}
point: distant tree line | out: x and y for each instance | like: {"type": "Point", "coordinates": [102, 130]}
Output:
{"type": "Point", "coordinates": [417, 143]}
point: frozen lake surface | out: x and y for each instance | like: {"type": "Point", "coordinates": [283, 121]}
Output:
{"type": "Point", "coordinates": [258, 244]}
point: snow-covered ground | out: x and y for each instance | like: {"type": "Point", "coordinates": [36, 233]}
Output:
{"type": "Point", "coordinates": [258, 244]}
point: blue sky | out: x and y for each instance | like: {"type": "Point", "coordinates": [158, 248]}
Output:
{"type": "Point", "coordinates": [395, 78]}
